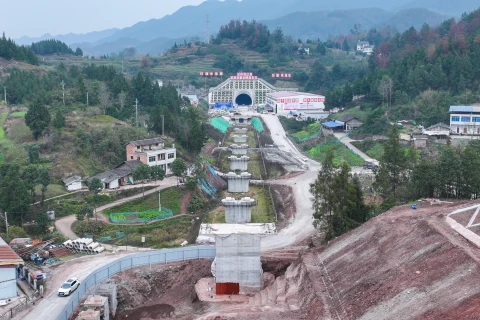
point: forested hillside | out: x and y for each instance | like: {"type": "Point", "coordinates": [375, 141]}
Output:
{"type": "Point", "coordinates": [418, 74]}
{"type": "Point", "coordinates": [53, 46]}
{"type": "Point", "coordinates": [9, 50]}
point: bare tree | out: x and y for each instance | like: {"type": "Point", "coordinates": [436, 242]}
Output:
{"type": "Point", "coordinates": [104, 97]}
{"type": "Point", "coordinates": [386, 89]}
{"type": "Point", "coordinates": [122, 100]}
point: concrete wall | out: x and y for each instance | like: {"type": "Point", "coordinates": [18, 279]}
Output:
{"type": "Point", "coordinates": [239, 163]}
{"type": "Point", "coordinates": [238, 211]}
{"type": "Point", "coordinates": [238, 183]}
{"type": "Point", "coordinates": [8, 282]}
{"type": "Point", "coordinates": [113, 185]}
{"type": "Point", "coordinates": [237, 260]}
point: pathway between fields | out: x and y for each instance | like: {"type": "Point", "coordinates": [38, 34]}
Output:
{"type": "Point", "coordinates": [348, 143]}
{"type": "Point", "coordinates": [64, 225]}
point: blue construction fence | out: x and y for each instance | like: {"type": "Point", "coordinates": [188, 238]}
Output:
{"type": "Point", "coordinates": [163, 256]}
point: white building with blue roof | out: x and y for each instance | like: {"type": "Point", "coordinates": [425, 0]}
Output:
{"type": "Point", "coordinates": [465, 120]}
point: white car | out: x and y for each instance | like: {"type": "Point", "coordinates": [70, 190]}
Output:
{"type": "Point", "coordinates": [68, 287]}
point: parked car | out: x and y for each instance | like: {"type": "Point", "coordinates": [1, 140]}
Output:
{"type": "Point", "coordinates": [68, 287]}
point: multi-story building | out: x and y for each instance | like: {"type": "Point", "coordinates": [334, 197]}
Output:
{"type": "Point", "coordinates": [152, 152]}
{"type": "Point", "coordinates": [465, 120]}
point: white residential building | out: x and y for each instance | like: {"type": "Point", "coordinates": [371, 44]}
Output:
{"type": "Point", "coordinates": [465, 120]}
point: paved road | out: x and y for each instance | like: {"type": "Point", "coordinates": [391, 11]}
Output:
{"type": "Point", "coordinates": [348, 142]}
{"type": "Point", "coordinates": [51, 306]}
{"type": "Point", "coordinates": [64, 225]}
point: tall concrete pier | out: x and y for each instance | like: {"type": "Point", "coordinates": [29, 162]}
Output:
{"type": "Point", "coordinates": [240, 130]}
{"type": "Point", "coordinates": [240, 139]}
{"type": "Point", "coordinates": [238, 183]}
{"type": "Point", "coordinates": [238, 211]}
{"type": "Point", "coordinates": [239, 150]}
{"type": "Point", "coordinates": [237, 260]}
{"type": "Point", "coordinates": [239, 163]}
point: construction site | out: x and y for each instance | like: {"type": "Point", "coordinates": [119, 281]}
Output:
{"type": "Point", "coordinates": [406, 263]}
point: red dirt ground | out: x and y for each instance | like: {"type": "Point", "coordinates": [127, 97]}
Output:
{"type": "Point", "coordinates": [404, 264]}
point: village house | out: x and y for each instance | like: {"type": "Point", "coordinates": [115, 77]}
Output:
{"type": "Point", "coordinates": [465, 120]}
{"type": "Point", "coordinates": [152, 152]}
{"type": "Point", "coordinates": [73, 183]}
{"type": "Point", "coordinates": [365, 47]}
{"type": "Point", "coordinates": [349, 122]}
{"type": "Point", "coordinates": [119, 176]}
{"type": "Point", "coordinates": [9, 261]}
{"type": "Point", "coordinates": [362, 44]}
{"type": "Point", "coordinates": [193, 99]}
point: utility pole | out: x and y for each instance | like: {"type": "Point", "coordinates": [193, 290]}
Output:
{"type": "Point", "coordinates": [207, 31]}
{"type": "Point", "coordinates": [6, 222]}
{"type": "Point", "coordinates": [5, 94]}
{"type": "Point", "coordinates": [63, 90]}
{"type": "Point", "coordinates": [163, 125]}
{"type": "Point", "coordinates": [122, 66]}
{"type": "Point", "coordinates": [87, 99]}
{"type": "Point", "coordinates": [159, 204]}
{"type": "Point", "coordinates": [136, 113]}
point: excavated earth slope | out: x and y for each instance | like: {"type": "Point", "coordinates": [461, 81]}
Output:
{"type": "Point", "coordinates": [404, 264]}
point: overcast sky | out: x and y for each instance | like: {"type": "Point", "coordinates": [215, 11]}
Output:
{"type": "Point", "coordinates": [37, 17]}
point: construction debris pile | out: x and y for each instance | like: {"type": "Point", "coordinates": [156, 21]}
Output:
{"type": "Point", "coordinates": [84, 245]}
{"type": "Point", "coordinates": [38, 251]}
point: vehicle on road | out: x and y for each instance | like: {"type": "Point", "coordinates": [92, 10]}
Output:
{"type": "Point", "coordinates": [68, 287]}
{"type": "Point", "coordinates": [370, 165]}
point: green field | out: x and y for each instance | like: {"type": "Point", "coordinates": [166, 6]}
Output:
{"type": "Point", "coordinates": [355, 112]}
{"type": "Point", "coordinates": [18, 114]}
{"type": "Point", "coordinates": [162, 234]}
{"type": "Point", "coordinates": [311, 131]}
{"type": "Point", "coordinates": [341, 153]}
{"type": "Point", "coordinates": [170, 198]}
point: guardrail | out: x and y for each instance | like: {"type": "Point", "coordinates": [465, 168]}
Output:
{"type": "Point", "coordinates": [163, 256]}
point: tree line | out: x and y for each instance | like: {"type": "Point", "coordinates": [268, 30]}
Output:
{"type": "Point", "coordinates": [402, 176]}
{"type": "Point", "coordinates": [52, 46]}
{"type": "Point", "coordinates": [9, 50]}
{"type": "Point", "coordinates": [338, 200]}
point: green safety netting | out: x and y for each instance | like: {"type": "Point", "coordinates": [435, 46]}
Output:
{"type": "Point", "coordinates": [220, 124]}
{"type": "Point", "coordinates": [105, 239]}
{"type": "Point", "coordinates": [140, 217]}
{"type": "Point", "coordinates": [257, 124]}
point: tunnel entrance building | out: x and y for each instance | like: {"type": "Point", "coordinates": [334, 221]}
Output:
{"type": "Point", "coordinates": [243, 89]}
{"type": "Point", "coordinates": [244, 99]}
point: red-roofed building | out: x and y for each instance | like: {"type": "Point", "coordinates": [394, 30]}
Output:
{"type": "Point", "coordinates": [9, 260]}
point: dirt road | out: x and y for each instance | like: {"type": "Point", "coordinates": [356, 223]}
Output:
{"type": "Point", "coordinates": [64, 225]}
{"type": "Point", "coordinates": [302, 226]}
